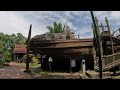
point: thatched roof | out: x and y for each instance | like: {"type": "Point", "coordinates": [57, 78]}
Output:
{"type": "Point", "coordinates": [53, 36]}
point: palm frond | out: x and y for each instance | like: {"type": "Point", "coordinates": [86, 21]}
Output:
{"type": "Point", "coordinates": [50, 29]}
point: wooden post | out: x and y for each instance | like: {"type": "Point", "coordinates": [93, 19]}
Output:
{"type": "Point", "coordinates": [93, 30]}
{"type": "Point", "coordinates": [94, 37]}
{"type": "Point", "coordinates": [102, 27]}
{"type": "Point", "coordinates": [14, 57]}
{"type": "Point", "coordinates": [70, 66]}
{"type": "Point", "coordinates": [17, 57]}
{"type": "Point", "coordinates": [41, 61]}
{"type": "Point", "coordinates": [28, 50]}
{"type": "Point", "coordinates": [101, 51]}
{"type": "Point", "coordinates": [98, 45]}
{"type": "Point", "coordinates": [101, 41]}
{"type": "Point", "coordinates": [110, 34]}
{"type": "Point", "coordinates": [98, 30]}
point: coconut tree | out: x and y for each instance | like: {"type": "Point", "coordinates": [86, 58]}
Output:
{"type": "Point", "coordinates": [57, 28]}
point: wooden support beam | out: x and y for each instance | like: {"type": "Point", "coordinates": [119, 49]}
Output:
{"type": "Point", "coordinates": [98, 31]}
{"type": "Point", "coordinates": [102, 27]}
{"type": "Point", "coordinates": [98, 45]}
{"type": "Point", "coordinates": [14, 57]}
{"type": "Point", "coordinates": [110, 34]}
{"type": "Point", "coordinates": [93, 30]}
{"type": "Point", "coordinates": [63, 45]}
{"type": "Point", "coordinates": [28, 50]}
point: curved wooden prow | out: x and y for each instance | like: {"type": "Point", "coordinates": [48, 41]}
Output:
{"type": "Point", "coordinates": [28, 50]}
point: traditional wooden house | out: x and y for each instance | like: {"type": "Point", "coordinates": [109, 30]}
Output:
{"type": "Point", "coordinates": [63, 48]}
{"type": "Point", "coordinates": [19, 51]}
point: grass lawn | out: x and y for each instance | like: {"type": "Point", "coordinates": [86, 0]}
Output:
{"type": "Point", "coordinates": [40, 71]}
{"type": "Point", "coordinates": [117, 77]}
{"type": "Point", "coordinates": [31, 65]}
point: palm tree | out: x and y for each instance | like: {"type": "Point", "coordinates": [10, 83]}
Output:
{"type": "Point", "coordinates": [57, 28]}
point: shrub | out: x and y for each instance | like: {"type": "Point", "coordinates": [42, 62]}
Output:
{"type": "Point", "coordinates": [34, 61]}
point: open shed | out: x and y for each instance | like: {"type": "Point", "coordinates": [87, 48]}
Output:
{"type": "Point", "coordinates": [19, 51]}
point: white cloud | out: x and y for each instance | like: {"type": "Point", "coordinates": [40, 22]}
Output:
{"type": "Point", "coordinates": [79, 21]}
{"type": "Point", "coordinates": [11, 23]}
{"type": "Point", "coordinates": [112, 16]}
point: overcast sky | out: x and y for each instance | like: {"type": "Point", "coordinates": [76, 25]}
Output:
{"type": "Point", "coordinates": [79, 21]}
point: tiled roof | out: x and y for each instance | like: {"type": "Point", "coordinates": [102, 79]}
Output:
{"type": "Point", "coordinates": [20, 49]}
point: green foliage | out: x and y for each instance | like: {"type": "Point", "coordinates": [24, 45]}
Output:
{"type": "Point", "coordinates": [20, 39]}
{"type": "Point", "coordinates": [24, 58]}
{"type": "Point", "coordinates": [58, 28]}
{"type": "Point", "coordinates": [1, 60]}
{"type": "Point", "coordinates": [34, 61]}
{"type": "Point", "coordinates": [7, 43]}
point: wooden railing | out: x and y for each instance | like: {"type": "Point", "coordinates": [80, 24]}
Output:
{"type": "Point", "coordinates": [108, 61]}
{"type": "Point", "coordinates": [116, 33]}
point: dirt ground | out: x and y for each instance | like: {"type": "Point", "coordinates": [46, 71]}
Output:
{"type": "Point", "coordinates": [57, 75]}
{"type": "Point", "coordinates": [15, 71]}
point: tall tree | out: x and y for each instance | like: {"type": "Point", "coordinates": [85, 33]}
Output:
{"type": "Point", "coordinates": [20, 39]}
{"type": "Point", "coordinates": [7, 43]}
